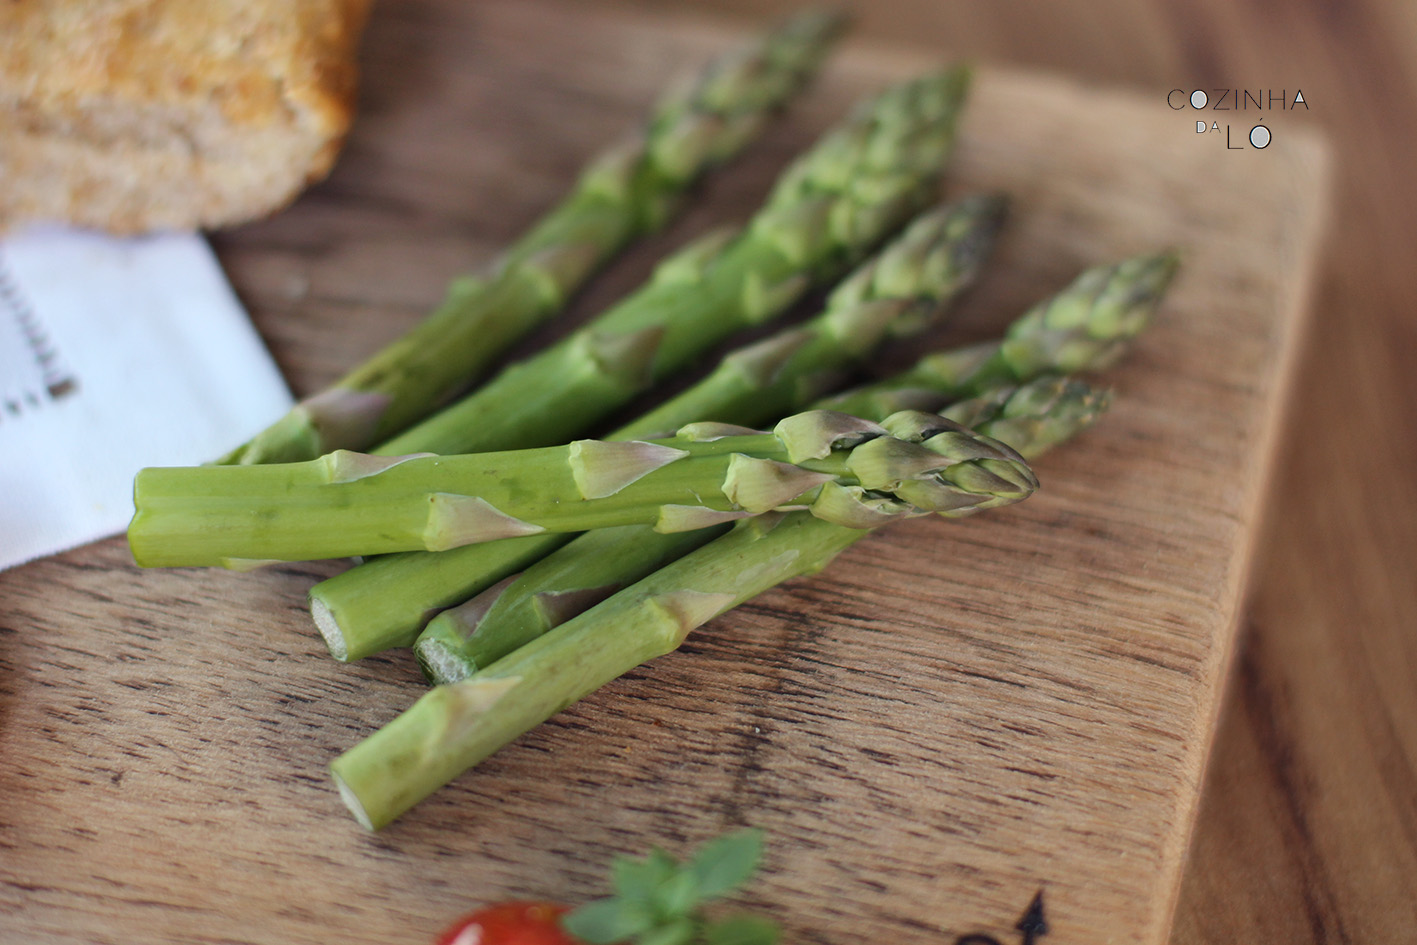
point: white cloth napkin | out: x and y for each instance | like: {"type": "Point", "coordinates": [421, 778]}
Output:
{"type": "Point", "coordinates": [115, 354]}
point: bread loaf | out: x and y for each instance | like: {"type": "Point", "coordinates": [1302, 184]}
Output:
{"type": "Point", "coordinates": [136, 115]}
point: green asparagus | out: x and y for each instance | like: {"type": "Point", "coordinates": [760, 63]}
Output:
{"type": "Point", "coordinates": [901, 290]}
{"type": "Point", "coordinates": [1085, 327]}
{"type": "Point", "coordinates": [898, 293]}
{"type": "Point", "coordinates": [454, 727]}
{"type": "Point", "coordinates": [628, 192]}
{"type": "Point", "coordinates": [385, 602]}
{"type": "Point", "coordinates": [841, 468]}
{"type": "Point", "coordinates": [599, 563]}
{"type": "Point", "coordinates": [826, 212]}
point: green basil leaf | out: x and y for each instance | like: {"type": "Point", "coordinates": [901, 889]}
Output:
{"type": "Point", "coordinates": [639, 880]}
{"type": "Point", "coordinates": [678, 932]}
{"type": "Point", "coordinates": [606, 921]}
{"type": "Point", "coordinates": [678, 895]}
{"type": "Point", "coordinates": [728, 862]}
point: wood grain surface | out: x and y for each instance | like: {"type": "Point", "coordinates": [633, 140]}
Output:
{"type": "Point", "coordinates": [1308, 828]}
{"type": "Point", "coordinates": [954, 717]}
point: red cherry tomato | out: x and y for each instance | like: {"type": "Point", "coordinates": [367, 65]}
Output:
{"type": "Point", "coordinates": [510, 923]}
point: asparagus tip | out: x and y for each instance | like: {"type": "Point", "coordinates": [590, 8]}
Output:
{"type": "Point", "coordinates": [981, 217]}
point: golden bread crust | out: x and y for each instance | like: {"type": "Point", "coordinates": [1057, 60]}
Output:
{"type": "Point", "coordinates": [131, 115]}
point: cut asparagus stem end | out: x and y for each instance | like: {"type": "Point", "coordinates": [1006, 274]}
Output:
{"type": "Point", "coordinates": [329, 628]}
{"type": "Point", "coordinates": [442, 664]}
{"type": "Point", "coordinates": [351, 800]}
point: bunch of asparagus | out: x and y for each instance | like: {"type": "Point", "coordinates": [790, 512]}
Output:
{"type": "Point", "coordinates": [692, 508]}
{"type": "Point", "coordinates": [615, 598]}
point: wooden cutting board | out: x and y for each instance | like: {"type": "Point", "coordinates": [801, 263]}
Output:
{"type": "Point", "coordinates": [953, 718]}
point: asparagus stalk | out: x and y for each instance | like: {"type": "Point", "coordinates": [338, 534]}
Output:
{"type": "Point", "coordinates": [898, 293]}
{"type": "Point", "coordinates": [597, 564]}
{"type": "Point", "coordinates": [628, 192]}
{"type": "Point", "coordinates": [1087, 325]}
{"type": "Point", "coordinates": [841, 468]}
{"type": "Point", "coordinates": [901, 290]}
{"type": "Point", "coordinates": [454, 727]}
{"type": "Point", "coordinates": [829, 208]}
{"type": "Point", "coordinates": [571, 579]}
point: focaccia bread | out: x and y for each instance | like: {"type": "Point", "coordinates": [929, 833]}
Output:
{"type": "Point", "coordinates": [136, 115]}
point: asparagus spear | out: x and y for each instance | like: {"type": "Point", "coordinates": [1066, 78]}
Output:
{"type": "Point", "coordinates": [1086, 327]}
{"type": "Point", "coordinates": [570, 580]}
{"type": "Point", "coordinates": [597, 564]}
{"type": "Point", "coordinates": [454, 727]}
{"type": "Point", "coordinates": [898, 293]}
{"type": "Point", "coordinates": [841, 468]}
{"type": "Point", "coordinates": [829, 208]}
{"type": "Point", "coordinates": [386, 601]}
{"type": "Point", "coordinates": [628, 192]}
